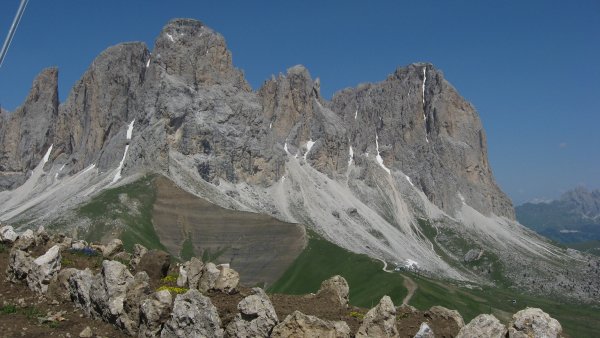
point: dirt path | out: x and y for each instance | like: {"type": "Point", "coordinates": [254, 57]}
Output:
{"type": "Point", "coordinates": [411, 286]}
{"type": "Point", "coordinates": [408, 283]}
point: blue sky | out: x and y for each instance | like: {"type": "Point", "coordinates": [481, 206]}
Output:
{"type": "Point", "coordinates": [531, 68]}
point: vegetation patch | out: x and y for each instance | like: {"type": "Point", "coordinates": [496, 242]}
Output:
{"type": "Point", "coordinates": [322, 259]}
{"type": "Point", "coordinates": [173, 289]}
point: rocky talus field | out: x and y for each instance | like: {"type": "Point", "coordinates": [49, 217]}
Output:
{"type": "Point", "coordinates": [64, 287]}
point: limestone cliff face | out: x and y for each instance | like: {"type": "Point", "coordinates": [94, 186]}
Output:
{"type": "Point", "coordinates": [26, 134]}
{"type": "Point", "coordinates": [424, 128]}
{"type": "Point", "coordinates": [192, 107]}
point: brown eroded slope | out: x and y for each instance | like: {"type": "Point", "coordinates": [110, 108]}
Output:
{"type": "Point", "coordinates": [258, 246]}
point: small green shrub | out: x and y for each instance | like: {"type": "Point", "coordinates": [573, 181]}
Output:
{"type": "Point", "coordinates": [357, 315]}
{"type": "Point", "coordinates": [8, 309]}
{"type": "Point", "coordinates": [173, 289]}
{"type": "Point", "coordinates": [170, 279]}
{"type": "Point", "coordinates": [32, 312]}
{"type": "Point", "coordinates": [65, 262]}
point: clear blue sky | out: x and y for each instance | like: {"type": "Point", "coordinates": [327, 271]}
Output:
{"type": "Point", "coordinates": [532, 68]}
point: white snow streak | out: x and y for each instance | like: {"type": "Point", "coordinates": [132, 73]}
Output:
{"type": "Point", "coordinates": [424, 116]}
{"type": "Point", "coordinates": [170, 37]}
{"type": "Point", "coordinates": [379, 159]}
{"type": "Point", "coordinates": [409, 181]}
{"type": "Point", "coordinates": [148, 63]}
{"type": "Point", "coordinates": [286, 148]}
{"type": "Point", "coordinates": [118, 174]}
{"type": "Point", "coordinates": [270, 125]}
{"type": "Point", "coordinates": [351, 155]}
{"type": "Point", "coordinates": [88, 168]}
{"type": "Point", "coordinates": [47, 156]}
{"type": "Point", "coordinates": [410, 264]}
{"type": "Point", "coordinates": [356, 114]}
{"type": "Point", "coordinates": [62, 167]}
{"type": "Point", "coordinates": [309, 146]}
{"type": "Point", "coordinates": [130, 130]}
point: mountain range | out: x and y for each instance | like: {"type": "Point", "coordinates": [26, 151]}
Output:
{"type": "Point", "coordinates": [397, 170]}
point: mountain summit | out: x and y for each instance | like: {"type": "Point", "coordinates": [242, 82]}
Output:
{"type": "Point", "coordinates": [397, 169]}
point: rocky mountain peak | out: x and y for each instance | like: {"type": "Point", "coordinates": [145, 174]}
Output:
{"type": "Point", "coordinates": [27, 133]}
{"type": "Point", "coordinates": [188, 49]}
{"type": "Point", "coordinates": [583, 201]}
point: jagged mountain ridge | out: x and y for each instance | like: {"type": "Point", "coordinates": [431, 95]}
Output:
{"type": "Point", "coordinates": [361, 169]}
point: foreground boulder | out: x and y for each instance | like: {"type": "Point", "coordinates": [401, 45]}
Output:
{"type": "Point", "coordinates": [59, 286]}
{"type": "Point", "coordinates": [112, 248]}
{"type": "Point", "coordinates": [156, 263]}
{"type": "Point", "coordinates": [533, 322]}
{"type": "Point", "coordinates": [138, 252]}
{"type": "Point", "coordinates": [300, 325]}
{"type": "Point", "coordinates": [80, 284]}
{"type": "Point", "coordinates": [380, 321]}
{"type": "Point", "coordinates": [136, 292]}
{"type": "Point", "coordinates": [228, 279]}
{"type": "Point", "coordinates": [8, 234]}
{"type": "Point", "coordinates": [209, 276]}
{"type": "Point", "coordinates": [108, 290]}
{"type": "Point", "coordinates": [154, 313]}
{"type": "Point", "coordinates": [43, 269]}
{"type": "Point", "coordinates": [336, 290]}
{"type": "Point", "coordinates": [483, 326]}
{"type": "Point", "coordinates": [424, 332]}
{"type": "Point", "coordinates": [257, 316]}
{"type": "Point", "coordinates": [193, 315]}
{"type": "Point", "coordinates": [448, 314]}
{"type": "Point", "coordinates": [19, 265]}
{"type": "Point", "coordinates": [25, 241]}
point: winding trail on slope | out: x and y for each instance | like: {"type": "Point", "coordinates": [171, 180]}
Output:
{"type": "Point", "coordinates": [408, 283]}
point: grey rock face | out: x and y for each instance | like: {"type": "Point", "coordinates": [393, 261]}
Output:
{"type": "Point", "coordinates": [190, 273]}
{"type": "Point", "coordinates": [472, 255]}
{"type": "Point", "coordinates": [59, 286]}
{"type": "Point", "coordinates": [154, 313]}
{"type": "Point", "coordinates": [533, 322]}
{"type": "Point", "coordinates": [108, 291]}
{"type": "Point", "coordinates": [43, 269]}
{"type": "Point", "coordinates": [228, 279]}
{"type": "Point", "coordinates": [257, 317]}
{"type": "Point", "coordinates": [424, 332]}
{"type": "Point", "coordinates": [155, 263]}
{"type": "Point", "coordinates": [193, 315]}
{"type": "Point", "coordinates": [429, 132]}
{"type": "Point", "coordinates": [80, 284]}
{"type": "Point", "coordinates": [300, 325]}
{"type": "Point", "coordinates": [210, 274]}
{"type": "Point", "coordinates": [336, 290]}
{"type": "Point", "coordinates": [380, 321]}
{"type": "Point", "coordinates": [138, 251]}
{"type": "Point", "coordinates": [19, 265]}
{"type": "Point", "coordinates": [25, 241]}
{"type": "Point", "coordinates": [445, 313]}
{"type": "Point", "coordinates": [8, 234]}
{"type": "Point", "coordinates": [112, 248]}
{"type": "Point", "coordinates": [136, 292]}
{"type": "Point", "coordinates": [27, 134]}
{"type": "Point", "coordinates": [483, 326]}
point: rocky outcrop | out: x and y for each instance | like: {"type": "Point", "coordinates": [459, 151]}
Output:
{"type": "Point", "coordinates": [155, 263]}
{"type": "Point", "coordinates": [228, 279]}
{"type": "Point", "coordinates": [138, 252]}
{"type": "Point", "coordinates": [380, 321]}
{"type": "Point", "coordinates": [59, 286]}
{"type": "Point", "coordinates": [300, 325]}
{"type": "Point", "coordinates": [112, 248]}
{"type": "Point", "coordinates": [533, 322]}
{"type": "Point", "coordinates": [335, 290]}
{"type": "Point", "coordinates": [108, 291]}
{"type": "Point", "coordinates": [210, 274]}
{"type": "Point", "coordinates": [8, 234]}
{"type": "Point", "coordinates": [424, 332]}
{"type": "Point", "coordinates": [193, 315]}
{"type": "Point", "coordinates": [25, 241]}
{"type": "Point", "coordinates": [43, 269]}
{"type": "Point", "coordinates": [19, 265]}
{"type": "Point", "coordinates": [483, 326]}
{"type": "Point", "coordinates": [442, 312]}
{"type": "Point", "coordinates": [429, 132]}
{"type": "Point", "coordinates": [257, 317]}
{"type": "Point", "coordinates": [154, 313]}
{"type": "Point", "coordinates": [136, 292]}
{"type": "Point", "coordinates": [27, 134]}
{"type": "Point", "coordinates": [80, 284]}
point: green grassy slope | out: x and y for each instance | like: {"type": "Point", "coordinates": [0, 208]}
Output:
{"type": "Point", "coordinates": [368, 283]}
{"type": "Point", "coordinates": [133, 218]}
{"type": "Point", "coordinates": [322, 260]}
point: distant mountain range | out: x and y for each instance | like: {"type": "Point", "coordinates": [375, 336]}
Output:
{"type": "Point", "coordinates": [573, 219]}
